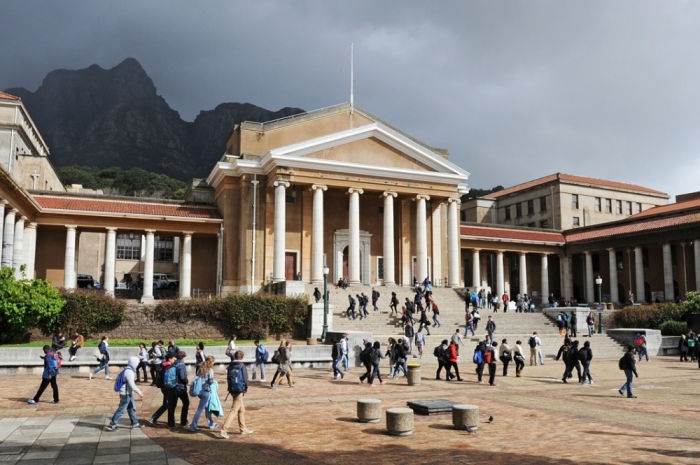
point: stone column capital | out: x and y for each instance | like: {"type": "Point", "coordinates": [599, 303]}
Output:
{"type": "Point", "coordinates": [71, 227]}
{"type": "Point", "coordinates": [23, 218]}
{"type": "Point", "coordinates": [389, 194]}
{"type": "Point", "coordinates": [149, 232]}
{"type": "Point", "coordinates": [31, 226]}
{"type": "Point", "coordinates": [187, 233]}
{"type": "Point", "coordinates": [14, 211]}
{"type": "Point", "coordinates": [422, 197]}
{"type": "Point", "coordinates": [110, 228]}
{"type": "Point", "coordinates": [3, 202]}
{"type": "Point", "coordinates": [587, 253]}
{"type": "Point", "coordinates": [545, 254]}
{"type": "Point", "coordinates": [522, 254]}
{"type": "Point", "coordinates": [456, 200]}
{"type": "Point", "coordinates": [476, 250]}
{"type": "Point", "coordinates": [610, 249]}
{"type": "Point", "coordinates": [323, 187]}
{"type": "Point", "coordinates": [280, 182]}
{"type": "Point", "coordinates": [357, 190]}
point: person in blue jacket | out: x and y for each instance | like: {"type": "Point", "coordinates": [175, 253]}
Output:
{"type": "Point", "coordinates": [48, 377]}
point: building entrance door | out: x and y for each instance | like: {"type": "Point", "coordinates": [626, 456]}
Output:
{"type": "Point", "coordinates": [345, 263]}
{"type": "Point", "coordinates": [290, 266]}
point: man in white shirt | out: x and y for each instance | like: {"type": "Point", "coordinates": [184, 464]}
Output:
{"type": "Point", "coordinates": [420, 343]}
{"type": "Point", "coordinates": [457, 339]}
{"type": "Point", "coordinates": [345, 345]}
{"type": "Point", "coordinates": [535, 349]}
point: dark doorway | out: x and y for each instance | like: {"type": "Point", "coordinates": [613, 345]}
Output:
{"type": "Point", "coordinates": [647, 293]}
{"type": "Point", "coordinates": [621, 296]}
{"type": "Point", "coordinates": [345, 263]}
{"type": "Point", "coordinates": [290, 266]}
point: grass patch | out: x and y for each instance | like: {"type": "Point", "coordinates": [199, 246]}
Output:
{"type": "Point", "coordinates": [135, 343]}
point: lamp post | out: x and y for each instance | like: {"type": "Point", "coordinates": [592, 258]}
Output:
{"type": "Point", "coordinates": [599, 284]}
{"type": "Point", "coordinates": [325, 303]}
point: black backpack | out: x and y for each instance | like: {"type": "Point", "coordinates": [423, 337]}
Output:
{"type": "Point", "coordinates": [622, 364]}
{"type": "Point", "coordinates": [438, 351]}
{"type": "Point", "coordinates": [532, 342]}
{"type": "Point", "coordinates": [366, 356]}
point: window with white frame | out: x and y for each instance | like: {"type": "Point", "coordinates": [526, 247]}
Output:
{"type": "Point", "coordinates": [128, 248]}
{"type": "Point", "coordinates": [163, 248]}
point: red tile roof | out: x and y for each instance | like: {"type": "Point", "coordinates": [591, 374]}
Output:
{"type": "Point", "coordinates": [670, 208]}
{"type": "Point", "coordinates": [125, 207]}
{"type": "Point", "coordinates": [512, 234]}
{"type": "Point", "coordinates": [631, 227]}
{"type": "Point", "coordinates": [575, 179]}
{"type": "Point", "coordinates": [5, 96]}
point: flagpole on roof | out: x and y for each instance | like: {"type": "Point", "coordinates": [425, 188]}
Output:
{"type": "Point", "coordinates": [352, 97]}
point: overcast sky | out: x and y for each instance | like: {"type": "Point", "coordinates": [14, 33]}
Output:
{"type": "Point", "coordinates": [514, 90]}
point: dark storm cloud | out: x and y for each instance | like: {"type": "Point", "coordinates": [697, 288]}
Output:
{"type": "Point", "coordinates": [515, 90]}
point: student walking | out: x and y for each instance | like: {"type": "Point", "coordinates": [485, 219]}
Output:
{"type": "Point", "coordinates": [535, 349]}
{"type": "Point", "coordinates": [78, 342]}
{"type": "Point", "coordinates": [285, 365]}
{"type": "Point", "coordinates": [452, 357]}
{"type": "Point", "coordinates": [683, 348]}
{"type": "Point", "coordinates": [585, 355]}
{"type": "Point", "coordinates": [49, 375]}
{"type": "Point", "coordinates": [590, 321]}
{"type": "Point", "coordinates": [442, 356]}
{"type": "Point", "coordinates": [491, 327]}
{"type": "Point", "coordinates": [366, 360]}
{"type": "Point", "coordinates": [156, 358]}
{"type": "Point", "coordinates": [436, 313]}
{"type": "Point", "coordinates": [490, 360]}
{"type": "Point", "coordinates": [336, 353]}
{"type": "Point", "coordinates": [126, 395]}
{"type": "Point", "coordinates": [237, 387]}
{"type": "Point", "coordinates": [143, 362]}
{"type": "Point", "coordinates": [160, 384]}
{"type": "Point", "coordinates": [351, 308]}
{"type": "Point", "coordinates": [629, 365]}
{"type": "Point", "coordinates": [469, 323]}
{"type": "Point", "coordinates": [199, 356]}
{"type": "Point", "coordinates": [317, 294]}
{"type": "Point", "coordinates": [375, 298]}
{"type": "Point", "coordinates": [420, 342]}
{"type": "Point", "coordinates": [573, 321]}
{"type": "Point", "coordinates": [260, 360]}
{"type": "Point", "coordinates": [424, 323]}
{"type": "Point", "coordinates": [103, 350]}
{"type": "Point", "coordinates": [205, 372]}
{"type": "Point", "coordinates": [641, 342]}
{"type": "Point", "coordinates": [177, 389]}
{"type": "Point", "coordinates": [376, 360]}
{"type": "Point", "coordinates": [394, 303]}
{"type": "Point", "coordinates": [519, 358]}
{"type": "Point", "coordinates": [231, 347]}
{"type": "Point", "coordinates": [457, 339]}
{"type": "Point", "coordinates": [505, 355]}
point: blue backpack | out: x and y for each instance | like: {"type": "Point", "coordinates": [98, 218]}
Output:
{"type": "Point", "coordinates": [121, 381]}
{"type": "Point", "coordinates": [478, 357]}
{"type": "Point", "coordinates": [264, 355]}
{"type": "Point", "coordinates": [236, 384]}
{"type": "Point", "coordinates": [170, 377]}
{"type": "Point", "coordinates": [196, 387]}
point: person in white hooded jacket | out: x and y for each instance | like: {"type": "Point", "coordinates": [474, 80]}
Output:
{"type": "Point", "coordinates": [126, 396]}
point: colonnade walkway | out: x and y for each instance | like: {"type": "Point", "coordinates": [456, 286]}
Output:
{"type": "Point", "coordinates": [511, 326]}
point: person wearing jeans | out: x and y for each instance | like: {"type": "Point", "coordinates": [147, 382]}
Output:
{"type": "Point", "coordinates": [167, 363]}
{"type": "Point", "coordinates": [104, 360]}
{"type": "Point", "coordinates": [48, 377]}
{"type": "Point", "coordinates": [126, 397]}
{"type": "Point", "coordinates": [345, 345]}
{"type": "Point", "coordinates": [237, 408]}
{"type": "Point", "coordinates": [206, 373]}
{"type": "Point", "coordinates": [179, 392]}
{"type": "Point", "coordinates": [629, 365]}
{"type": "Point", "coordinates": [642, 348]}
{"type": "Point", "coordinates": [260, 360]}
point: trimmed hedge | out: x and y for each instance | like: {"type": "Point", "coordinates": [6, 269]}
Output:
{"type": "Point", "coordinates": [673, 328]}
{"type": "Point", "coordinates": [649, 316]}
{"type": "Point", "coordinates": [86, 311]}
{"type": "Point", "coordinates": [248, 315]}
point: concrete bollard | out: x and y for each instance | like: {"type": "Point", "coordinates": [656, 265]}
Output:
{"type": "Point", "coordinates": [465, 415]}
{"type": "Point", "coordinates": [399, 421]}
{"type": "Point", "coordinates": [413, 374]}
{"type": "Point", "coordinates": [369, 410]}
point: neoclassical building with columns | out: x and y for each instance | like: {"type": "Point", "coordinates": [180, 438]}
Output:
{"type": "Point", "coordinates": [340, 188]}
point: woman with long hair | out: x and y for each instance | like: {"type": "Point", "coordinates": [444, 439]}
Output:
{"type": "Point", "coordinates": [206, 374]}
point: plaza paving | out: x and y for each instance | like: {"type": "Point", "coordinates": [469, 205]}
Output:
{"type": "Point", "coordinates": [537, 419]}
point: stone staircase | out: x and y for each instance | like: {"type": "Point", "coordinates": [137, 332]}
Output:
{"type": "Point", "coordinates": [511, 326]}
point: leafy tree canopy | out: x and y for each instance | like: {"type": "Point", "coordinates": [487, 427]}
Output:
{"type": "Point", "coordinates": [475, 193]}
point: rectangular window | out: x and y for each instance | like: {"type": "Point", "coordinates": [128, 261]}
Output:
{"type": "Point", "coordinates": [629, 207]}
{"type": "Point", "coordinates": [574, 201]}
{"type": "Point", "coordinates": [595, 261]}
{"type": "Point", "coordinates": [544, 224]}
{"type": "Point", "coordinates": [620, 259]}
{"type": "Point", "coordinates": [608, 206]}
{"type": "Point", "coordinates": [507, 209]}
{"type": "Point", "coordinates": [291, 198]}
{"type": "Point", "coordinates": [531, 225]}
{"type": "Point", "coordinates": [128, 249]}
{"type": "Point", "coordinates": [543, 204]}
{"type": "Point", "coordinates": [380, 268]}
{"type": "Point", "coordinates": [597, 204]}
{"type": "Point", "coordinates": [163, 248]}
{"type": "Point", "coordinates": [530, 207]}
{"type": "Point", "coordinates": [463, 215]}
{"type": "Point", "coordinates": [674, 260]}
{"type": "Point", "coordinates": [639, 207]}
{"type": "Point", "coordinates": [518, 210]}
{"type": "Point", "coordinates": [645, 257]}
{"type": "Point", "coordinates": [618, 207]}
{"type": "Point", "coordinates": [577, 222]}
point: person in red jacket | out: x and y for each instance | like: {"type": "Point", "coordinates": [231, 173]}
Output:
{"type": "Point", "coordinates": [452, 361]}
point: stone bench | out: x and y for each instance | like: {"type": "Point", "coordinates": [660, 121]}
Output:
{"type": "Point", "coordinates": [399, 421]}
{"type": "Point", "coordinates": [465, 416]}
{"type": "Point", "coordinates": [369, 410]}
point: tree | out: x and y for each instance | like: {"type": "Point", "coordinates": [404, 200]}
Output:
{"type": "Point", "coordinates": [692, 302]}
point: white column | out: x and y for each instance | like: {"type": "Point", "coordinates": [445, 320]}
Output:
{"type": "Point", "coordinates": [30, 249]}
{"type": "Point", "coordinates": [696, 252]}
{"type": "Point", "coordinates": [147, 297]}
{"type": "Point", "coordinates": [18, 247]}
{"type": "Point", "coordinates": [476, 270]}
{"type": "Point", "coordinates": [317, 234]}
{"type": "Point", "coordinates": [545, 279]}
{"type": "Point", "coordinates": [421, 237]}
{"type": "Point", "coordinates": [639, 274]}
{"type": "Point", "coordinates": [565, 264]}
{"type": "Point", "coordinates": [280, 231]}
{"type": "Point", "coordinates": [186, 266]}
{"type": "Point", "coordinates": [590, 289]}
{"type": "Point", "coordinates": [8, 238]}
{"type": "Point", "coordinates": [453, 252]}
{"type": "Point", "coordinates": [354, 236]}
{"type": "Point", "coordinates": [523, 273]}
{"type": "Point", "coordinates": [612, 263]}
{"type": "Point", "coordinates": [69, 262]}
{"type": "Point", "coordinates": [389, 264]}
{"type": "Point", "coordinates": [500, 275]}
{"type": "Point", "coordinates": [110, 260]}
{"type": "Point", "coordinates": [2, 222]}
{"type": "Point", "coordinates": [176, 249]}
{"type": "Point", "coordinates": [668, 273]}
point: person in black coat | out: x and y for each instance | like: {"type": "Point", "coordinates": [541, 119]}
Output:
{"type": "Point", "coordinates": [573, 361]}
{"type": "Point", "coordinates": [573, 321]}
{"type": "Point", "coordinates": [585, 356]}
{"type": "Point", "coordinates": [563, 354]}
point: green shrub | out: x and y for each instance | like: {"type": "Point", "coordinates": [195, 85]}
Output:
{"type": "Point", "coordinates": [669, 312]}
{"type": "Point", "coordinates": [641, 316]}
{"type": "Point", "coordinates": [247, 315]}
{"type": "Point", "coordinates": [673, 328]}
{"type": "Point", "coordinates": [86, 311]}
{"type": "Point", "coordinates": [25, 304]}
{"type": "Point", "coordinates": [692, 302]}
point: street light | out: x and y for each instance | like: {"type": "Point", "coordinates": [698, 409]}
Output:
{"type": "Point", "coordinates": [325, 303]}
{"type": "Point", "coordinates": [599, 283]}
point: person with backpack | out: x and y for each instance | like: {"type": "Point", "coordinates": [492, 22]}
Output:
{"type": "Point", "coordinates": [336, 354]}
{"type": "Point", "coordinates": [202, 387]}
{"type": "Point", "coordinates": [491, 328]}
{"type": "Point", "coordinates": [585, 356]}
{"type": "Point", "coordinates": [362, 300]}
{"type": "Point", "coordinates": [506, 302]}
{"type": "Point", "coordinates": [156, 358]}
{"type": "Point", "coordinates": [375, 299]}
{"type": "Point", "coordinates": [629, 365]}
{"type": "Point", "coordinates": [683, 348]}
{"type": "Point", "coordinates": [641, 342]}
{"type": "Point", "coordinates": [366, 360]}
{"type": "Point", "coordinates": [103, 351]}
{"type": "Point", "coordinates": [237, 377]}
{"type": "Point", "coordinates": [159, 382]}
{"type": "Point", "coordinates": [420, 342]}
{"type": "Point", "coordinates": [390, 353]}
{"type": "Point", "coordinates": [476, 316]}
{"type": "Point", "coordinates": [573, 321]}
{"type": "Point", "coordinates": [518, 358]}
{"type": "Point", "coordinates": [590, 321]}
{"type": "Point", "coordinates": [285, 365]}
{"type": "Point", "coordinates": [51, 370]}
{"type": "Point", "coordinates": [173, 349]}
{"type": "Point", "coordinates": [143, 361]}
{"type": "Point", "coordinates": [176, 380]}
{"type": "Point", "coordinates": [478, 359]}
{"type": "Point", "coordinates": [351, 308]}
{"type": "Point", "coordinates": [317, 294]}
{"type": "Point", "coordinates": [573, 361]}
{"type": "Point", "coordinates": [490, 361]}
{"type": "Point", "coordinates": [535, 349]}
{"type": "Point", "coordinates": [560, 323]}
{"type": "Point", "coordinates": [469, 323]}
{"type": "Point", "coordinates": [78, 342]}
{"type": "Point", "coordinates": [563, 354]}
{"type": "Point", "coordinates": [400, 355]}
{"type": "Point", "coordinates": [452, 357]}
{"type": "Point", "coordinates": [393, 305]}
{"type": "Point", "coordinates": [376, 360]}
{"type": "Point", "coordinates": [261, 356]}
{"type": "Point", "coordinates": [409, 332]}
{"type": "Point", "coordinates": [505, 355]}
{"type": "Point", "coordinates": [199, 356]}
{"type": "Point", "coordinates": [436, 313]}
{"type": "Point", "coordinates": [126, 387]}
{"type": "Point", "coordinates": [440, 353]}
{"type": "Point", "coordinates": [424, 323]}
{"type": "Point", "coordinates": [691, 345]}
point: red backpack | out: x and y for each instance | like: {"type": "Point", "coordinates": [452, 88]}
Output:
{"type": "Point", "coordinates": [488, 356]}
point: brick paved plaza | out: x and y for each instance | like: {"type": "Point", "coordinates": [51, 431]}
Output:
{"type": "Point", "coordinates": [537, 419]}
